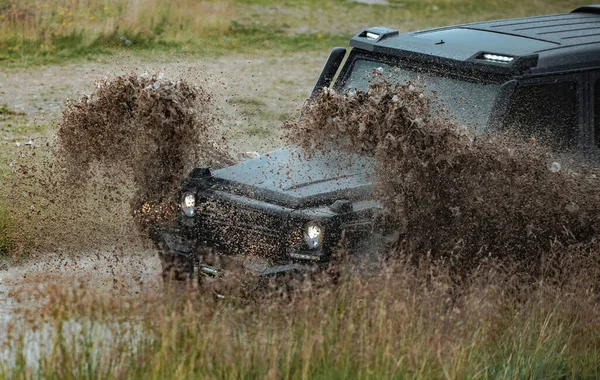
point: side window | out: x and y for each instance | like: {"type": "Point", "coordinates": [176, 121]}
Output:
{"type": "Point", "coordinates": [546, 112]}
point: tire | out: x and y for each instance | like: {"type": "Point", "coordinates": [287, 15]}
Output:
{"type": "Point", "coordinates": [175, 267]}
{"type": "Point", "coordinates": [370, 253]}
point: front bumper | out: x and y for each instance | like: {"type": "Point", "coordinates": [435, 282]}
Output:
{"type": "Point", "coordinates": [190, 249]}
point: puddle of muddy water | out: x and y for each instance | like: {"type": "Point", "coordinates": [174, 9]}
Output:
{"type": "Point", "coordinates": [97, 340]}
{"type": "Point", "coordinates": [25, 291]}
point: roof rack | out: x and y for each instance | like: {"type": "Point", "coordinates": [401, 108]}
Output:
{"type": "Point", "coordinates": [587, 9]}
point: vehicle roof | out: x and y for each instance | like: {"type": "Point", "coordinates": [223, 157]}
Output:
{"type": "Point", "coordinates": [537, 44]}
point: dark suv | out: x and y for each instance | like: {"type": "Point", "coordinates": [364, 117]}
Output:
{"type": "Point", "coordinates": [288, 211]}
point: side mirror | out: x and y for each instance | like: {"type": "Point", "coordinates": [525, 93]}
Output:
{"type": "Point", "coordinates": [331, 67]}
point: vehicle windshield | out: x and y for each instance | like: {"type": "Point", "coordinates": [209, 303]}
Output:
{"type": "Point", "coordinates": [468, 103]}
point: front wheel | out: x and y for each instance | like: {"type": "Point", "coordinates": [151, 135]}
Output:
{"type": "Point", "coordinates": [175, 266]}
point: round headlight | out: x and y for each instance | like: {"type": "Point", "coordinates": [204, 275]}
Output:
{"type": "Point", "coordinates": [188, 202]}
{"type": "Point", "coordinates": [313, 235]}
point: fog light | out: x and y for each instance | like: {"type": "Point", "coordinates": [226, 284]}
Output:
{"type": "Point", "coordinates": [313, 235]}
{"type": "Point", "coordinates": [188, 202]}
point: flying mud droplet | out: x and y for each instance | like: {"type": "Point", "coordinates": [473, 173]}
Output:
{"type": "Point", "coordinates": [555, 167]}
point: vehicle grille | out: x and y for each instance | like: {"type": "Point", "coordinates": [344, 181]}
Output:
{"type": "Point", "coordinates": [241, 230]}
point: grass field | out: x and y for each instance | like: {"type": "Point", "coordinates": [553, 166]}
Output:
{"type": "Point", "coordinates": [42, 32]}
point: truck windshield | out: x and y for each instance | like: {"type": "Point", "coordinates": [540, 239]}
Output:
{"type": "Point", "coordinates": [466, 102]}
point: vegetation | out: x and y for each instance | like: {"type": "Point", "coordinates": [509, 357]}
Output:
{"type": "Point", "coordinates": [41, 32]}
{"type": "Point", "coordinates": [6, 243]}
{"type": "Point", "coordinates": [6, 111]}
{"type": "Point", "coordinates": [404, 322]}
{"type": "Point", "coordinates": [259, 131]}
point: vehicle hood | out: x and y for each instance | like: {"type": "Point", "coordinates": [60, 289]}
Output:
{"type": "Point", "coordinates": [291, 177]}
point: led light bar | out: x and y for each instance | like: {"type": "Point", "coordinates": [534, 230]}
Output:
{"type": "Point", "coordinates": [498, 58]}
{"type": "Point", "coordinates": [372, 36]}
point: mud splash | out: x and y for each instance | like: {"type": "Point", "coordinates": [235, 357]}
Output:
{"type": "Point", "coordinates": [453, 195]}
{"type": "Point", "coordinates": [119, 153]}
{"type": "Point", "coordinates": [150, 129]}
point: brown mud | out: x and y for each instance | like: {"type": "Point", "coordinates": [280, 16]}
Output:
{"type": "Point", "coordinates": [115, 164]}
{"type": "Point", "coordinates": [453, 195]}
{"type": "Point", "coordinates": [120, 154]}
{"type": "Point", "coordinates": [146, 128]}
{"type": "Point", "coordinates": [458, 200]}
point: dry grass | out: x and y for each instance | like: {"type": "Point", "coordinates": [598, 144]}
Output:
{"type": "Point", "coordinates": [405, 321]}
{"type": "Point", "coordinates": [41, 20]}
{"type": "Point", "coordinates": [402, 322]}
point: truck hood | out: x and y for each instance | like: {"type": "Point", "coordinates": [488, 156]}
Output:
{"type": "Point", "coordinates": [291, 177]}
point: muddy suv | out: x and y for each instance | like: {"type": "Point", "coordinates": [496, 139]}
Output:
{"type": "Point", "coordinates": [286, 211]}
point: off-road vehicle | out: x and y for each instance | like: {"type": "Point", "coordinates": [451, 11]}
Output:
{"type": "Point", "coordinates": [286, 211]}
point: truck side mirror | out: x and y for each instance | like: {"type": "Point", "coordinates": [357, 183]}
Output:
{"type": "Point", "coordinates": [331, 67]}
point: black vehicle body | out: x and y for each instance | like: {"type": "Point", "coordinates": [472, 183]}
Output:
{"type": "Point", "coordinates": [540, 71]}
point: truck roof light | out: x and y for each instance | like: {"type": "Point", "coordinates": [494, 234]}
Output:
{"type": "Point", "coordinates": [377, 33]}
{"type": "Point", "coordinates": [498, 58]}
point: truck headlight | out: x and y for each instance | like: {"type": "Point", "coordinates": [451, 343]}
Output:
{"type": "Point", "coordinates": [188, 202]}
{"type": "Point", "coordinates": [313, 235]}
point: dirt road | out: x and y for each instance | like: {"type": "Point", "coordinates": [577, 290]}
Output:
{"type": "Point", "coordinates": [254, 93]}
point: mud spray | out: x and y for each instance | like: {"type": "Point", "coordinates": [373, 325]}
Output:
{"type": "Point", "coordinates": [452, 195]}
{"type": "Point", "coordinates": [121, 153]}
{"type": "Point", "coordinates": [113, 169]}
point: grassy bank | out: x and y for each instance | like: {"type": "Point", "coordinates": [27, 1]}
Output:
{"type": "Point", "coordinates": [6, 243]}
{"type": "Point", "coordinates": [41, 32]}
{"type": "Point", "coordinates": [402, 323]}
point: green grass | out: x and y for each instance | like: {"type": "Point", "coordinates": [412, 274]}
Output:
{"type": "Point", "coordinates": [404, 327]}
{"type": "Point", "coordinates": [255, 110]}
{"type": "Point", "coordinates": [259, 131]}
{"type": "Point", "coordinates": [255, 102]}
{"type": "Point", "coordinates": [74, 47]}
{"type": "Point", "coordinates": [6, 111]}
{"type": "Point", "coordinates": [23, 128]}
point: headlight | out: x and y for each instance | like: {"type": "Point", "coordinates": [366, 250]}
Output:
{"type": "Point", "coordinates": [313, 235]}
{"type": "Point", "coordinates": [188, 202]}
